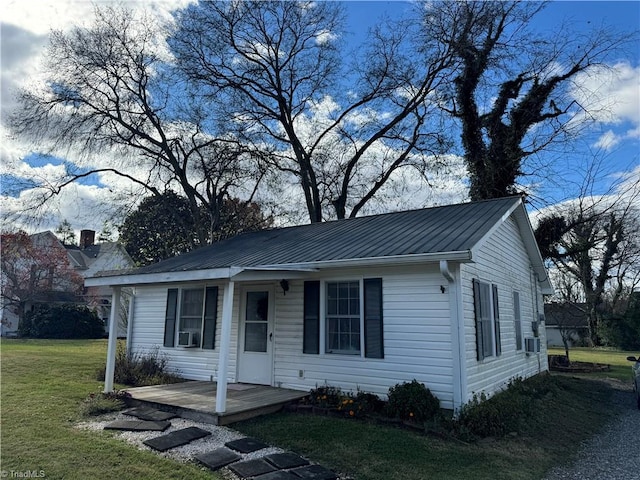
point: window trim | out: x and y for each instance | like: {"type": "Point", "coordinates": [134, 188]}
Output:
{"type": "Point", "coordinates": [174, 318]}
{"type": "Point", "coordinates": [490, 326]}
{"type": "Point", "coordinates": [372, 286]}
{"type": "Point", "coordinates": [326, 318]}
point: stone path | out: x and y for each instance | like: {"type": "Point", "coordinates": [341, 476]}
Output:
{"type": "Point", "coordinates": [274, 466]}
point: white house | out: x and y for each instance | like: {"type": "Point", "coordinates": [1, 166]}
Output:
{"type": "Point", "coordinates": [451, 296]}
{"type": "Point", "coordinates": [87, 259]}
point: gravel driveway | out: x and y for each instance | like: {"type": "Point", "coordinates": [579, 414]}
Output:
{"type": "Point", "coordinates": [614, 454]}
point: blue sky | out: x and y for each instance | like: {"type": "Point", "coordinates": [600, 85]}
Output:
{"type": "Point", "coordinates": [614, 139]}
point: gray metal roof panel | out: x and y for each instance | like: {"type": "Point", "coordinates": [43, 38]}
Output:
{"type": "Point", "coordinates": [450, 228]}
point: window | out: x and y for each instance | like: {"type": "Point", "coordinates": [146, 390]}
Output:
{"type": "Point", "coordinates": [517, 320]}
{"type": "Point", "coordinates": [343, 317]}
{"type": "Point", "coordinates": [348, 305]}
{"type": "Point", "coordinates": [487, 316]}
{"type": "Point", "coordinates": [194, 313]}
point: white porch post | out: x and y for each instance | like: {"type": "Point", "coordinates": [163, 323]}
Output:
{"type": "Point", "coordinates": [114, 320]}
{"type": "Point", "coordinates": [132, 299]}
{"type": "Point", "coordinates": [225, 348]}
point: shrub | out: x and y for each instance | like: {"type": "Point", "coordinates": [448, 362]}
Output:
{"type": "Point", "coordinates": [412, 401]}
{"type": "Point", "coordinates": [100, 403]}
{"type": "Point", "coordinates": [140, 369]}
{"type": "Point", "coordinates": [506, 411]}
{"type": "Point", "coordinates": [61, 321]}
{"type": "Point", "coordinates": [326, 397]}
{"type": "Point", "coordinates": [347, 403]}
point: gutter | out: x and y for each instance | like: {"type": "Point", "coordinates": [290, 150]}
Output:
{"type": "Point", "coordinates": [229, 273]}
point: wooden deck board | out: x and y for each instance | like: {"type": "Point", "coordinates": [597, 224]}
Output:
{"type": "Point", "coordinates": [243, 402]}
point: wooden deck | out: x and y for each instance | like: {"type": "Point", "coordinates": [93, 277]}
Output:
{"type": "Point", "coordinates": [197, 400]}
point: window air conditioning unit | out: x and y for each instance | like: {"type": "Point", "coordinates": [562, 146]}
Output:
{"type": "Point", "coordinates": [186, 339]}
{"type": "Point", "coordinates": [532, 345]}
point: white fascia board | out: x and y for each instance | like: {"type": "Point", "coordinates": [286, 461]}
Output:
{"type": "Point", "coordinates": [268, 273]}
{"type": "Point", "coordinates": [162, 277]}
{"type": "Point", "coordinates": [457, 256]}
{"type": "Point", "coordinates": [272, 272]}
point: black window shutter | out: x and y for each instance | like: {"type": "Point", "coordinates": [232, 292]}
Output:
{"type": "Point", "coordinates": [373, 326]}
{"type": "Point", "coordinates": [311, 321]}
{"type": "Point", "coordinates": [496, 319]}
{"type": "Point", "coordinates": [517, 319]}
{"type": "Point", "coordinates": [478, 311]}
{"type": "Point", "coordinates": [170, 318]}
{"type": "Point", "coordinates": [210, 316]}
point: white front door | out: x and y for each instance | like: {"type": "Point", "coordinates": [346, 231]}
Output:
{"type": "Point", "coordinates": [255, 352]}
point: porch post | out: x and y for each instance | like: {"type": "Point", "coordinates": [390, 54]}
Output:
{"type": "Point", "coordinates": [132, 299]}
{"type": "Point", "coordinates": [114, 319]}
{"type": "Point", "coordinates": [225, 348]}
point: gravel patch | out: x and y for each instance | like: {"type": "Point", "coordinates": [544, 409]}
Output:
{"type": "Point", "coordinates": [612, 454]}
{"type": "Point", "coordinates": [219, 436]}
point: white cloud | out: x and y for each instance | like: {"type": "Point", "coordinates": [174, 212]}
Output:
{"type": "Point", "coordinates": [610, 95]}
{"type": "Point", "coordinates": [608, 140]}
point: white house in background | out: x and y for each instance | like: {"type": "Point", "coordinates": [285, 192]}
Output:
{"type": "Point", "coordinates": [90, 259]}
{"type": "Point", "coordinates": [87, 259]}
{"type": "Point", "coordinates": [451, 296]}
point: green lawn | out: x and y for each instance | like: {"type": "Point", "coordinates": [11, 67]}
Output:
{"type": "Point", "coordinates": [44, 382]}
{"type": "Point", "coordinates": [620, 366]}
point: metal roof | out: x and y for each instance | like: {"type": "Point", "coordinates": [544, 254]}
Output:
{"type": "Point", "coordinates": [452, 228]}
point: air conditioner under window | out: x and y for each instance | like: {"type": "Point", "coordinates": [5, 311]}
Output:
{"type": "Point", "coordinates": [532, 345]}
{"type": "Point", "coordinates": [186, 339]}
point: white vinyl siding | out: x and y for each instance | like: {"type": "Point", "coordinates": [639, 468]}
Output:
{"type": "Point", "coordinates": [147, 335]}
{"type": "Point", "coordinates": [502, 260]}
{"type": "Point", "coordinates": [417, 337]}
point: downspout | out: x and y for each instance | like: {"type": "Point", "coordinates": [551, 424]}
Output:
{"type": "Point", "coordinates": [457, 338]}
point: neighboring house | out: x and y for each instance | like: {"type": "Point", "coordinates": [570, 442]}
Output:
{"type": "Point", "coordinates": [87, 259]}
{"type": "Point", "coordinates": [567, 319]}
{"type": "Point", "coordinates": [450, 296]}
{"type": "Point", "coordinates": [90, 259]}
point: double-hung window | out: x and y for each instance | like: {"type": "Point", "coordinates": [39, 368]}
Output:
{"type": "Point", "coordinates": [343, 317]}
{"type": "Point", "coordinates": [191, 313]}
{"type": "Point", "coordinates": [352, 317]}
{"type": "Point", "coordinates": [487, 315]}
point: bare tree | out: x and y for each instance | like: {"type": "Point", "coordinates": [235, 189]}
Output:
{"type": "Point", "coordinates": [596, 242]}
{"type": "Point", "coordinates": [110, 91]}
{"type": "Point", "coordinates": [510, 89]}
{"type": "Point", "coordinates": [274, 72]}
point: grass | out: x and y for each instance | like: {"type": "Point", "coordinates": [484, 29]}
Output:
{"type": "Point", "coordinates": [43, 384]}
{"type": "Point", "coordinates": [620, 366]}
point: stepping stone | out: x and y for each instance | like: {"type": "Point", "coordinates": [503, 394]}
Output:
{"type": "Point", "coordinates": [218, 458]}
{"type": "Point", "coordinates": [314, 472]}
{"type": "Point", "coordinates": [147, 413]}
{"type": "Point", "coordinates": [138, 425]}
{"type": "Point", "coordinates": [285, 461]}
{"type": "Point", "coordinates": [246, 445]}
{"type": "Point", "coordinates": [176, 439]}
{"type": "Point", "coordinates": [277, 475]}
{"type": "Point", "coordinates": [251, 468]}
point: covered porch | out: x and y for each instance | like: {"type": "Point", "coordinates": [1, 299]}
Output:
{"type": "Point", "coordinates": [196, 400]}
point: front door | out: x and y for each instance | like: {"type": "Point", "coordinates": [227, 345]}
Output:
{"type": "Point", "coordinates": [255, 352]}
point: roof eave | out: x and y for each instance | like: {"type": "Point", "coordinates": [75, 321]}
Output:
{"type": "Point", "coordinates": [245, 273]}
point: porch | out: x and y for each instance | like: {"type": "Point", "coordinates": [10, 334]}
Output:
{"type": "Point", "coordinates": [196, 400]}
